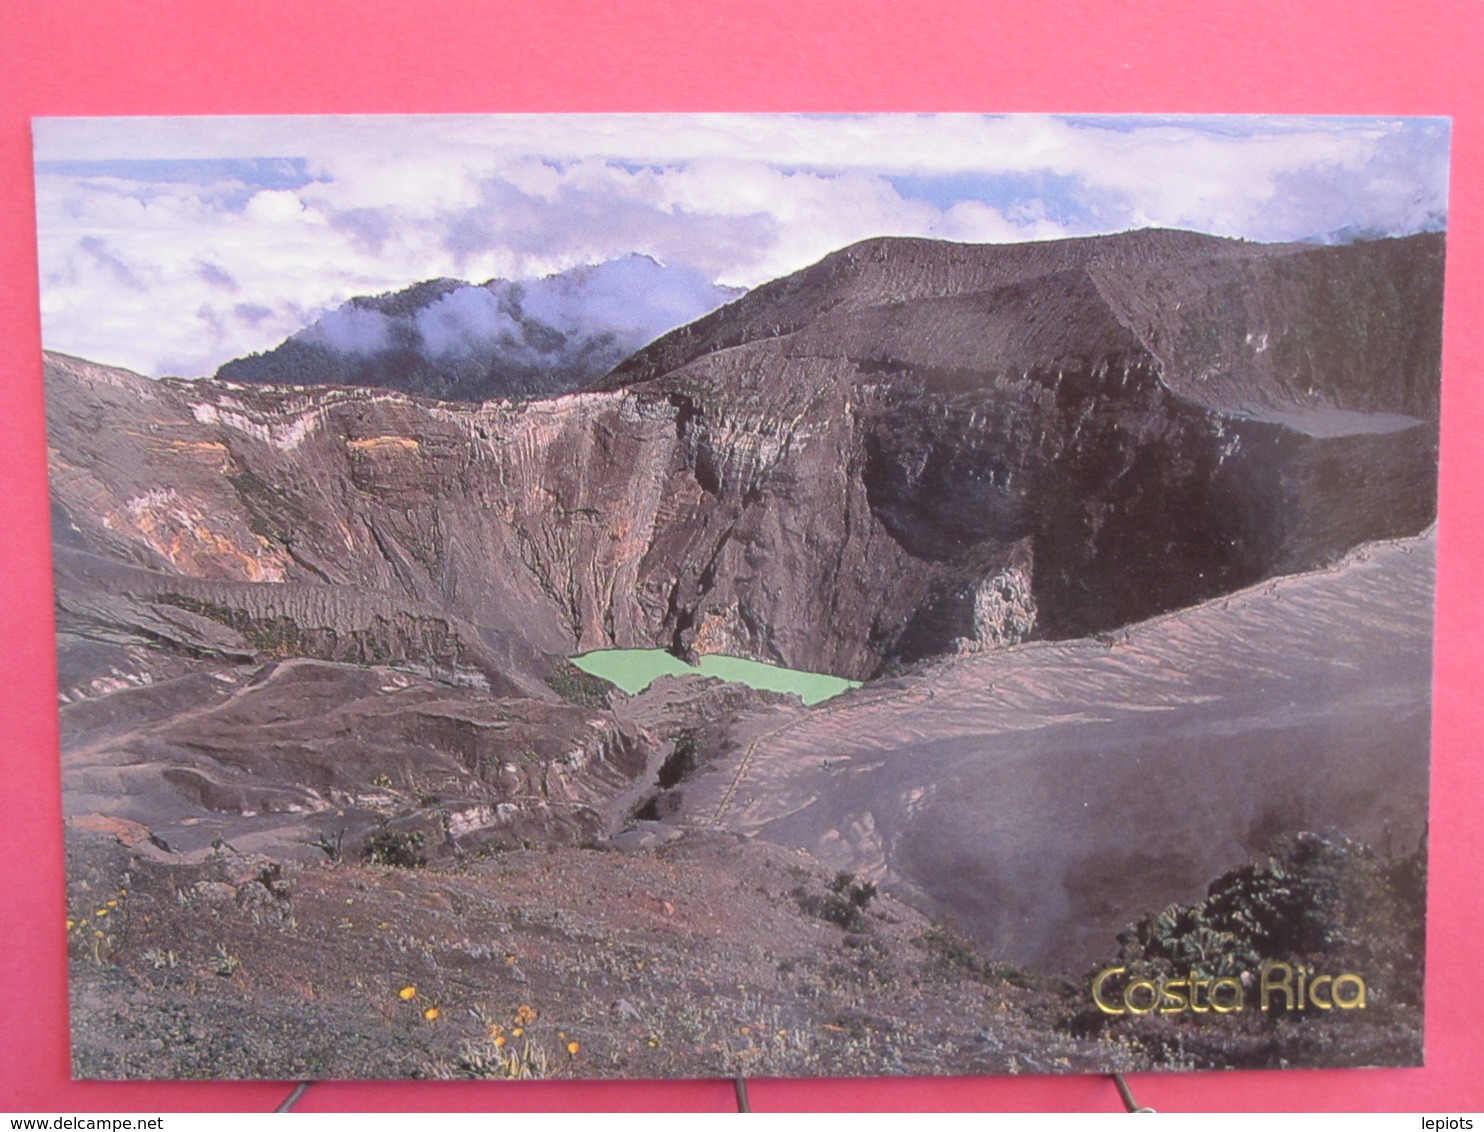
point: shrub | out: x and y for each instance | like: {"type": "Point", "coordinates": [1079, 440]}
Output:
{"type": "Point", "coordinates": [578, 687]}
{"type": "Point", "coordinates": [1330, 903]}
{"type": "Point", "coordinates": [844, 903]}
{"type": "Point", "coordinates": [1310, 897]}
{"type": "Point", "coordinates": [396, 848]}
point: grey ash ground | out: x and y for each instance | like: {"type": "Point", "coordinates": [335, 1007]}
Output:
{"type": "Point", "coordinates": [699, 959]}
{"type": "Point", "coordinates": [1129, 536]}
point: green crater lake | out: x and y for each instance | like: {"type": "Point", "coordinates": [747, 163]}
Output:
{"type": "Point", "coordinates": [633, 670]}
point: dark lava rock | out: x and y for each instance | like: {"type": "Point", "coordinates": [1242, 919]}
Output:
{"type": "Point", "coordinates": [1053, 439]}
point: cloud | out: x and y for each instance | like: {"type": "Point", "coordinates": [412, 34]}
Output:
{"type": "Point", "coordinates": [110, 262]}
{"type": "Point", "coordinates": [171, 245]}
{"type": "Point", "coordinates": [464, 323]}
{"type": "Point", "coordinates": [623, 303]}
{"type": "Point", "coordinates": [351, 330]}
{"type": "Point", "coordinates": [251, 313]}
{"type": "Point", "coordinates": [216, 276]}
{"type": "Point", "coordinates": [274, 206]}
{"type": "Point", "coordinates": [634, 297]}
{"type": "Point", "coordinates": [501, 338]}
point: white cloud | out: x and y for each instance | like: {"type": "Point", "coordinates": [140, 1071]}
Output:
{"type": "Point", "coordinates": [166, 247]}
{"type": "Point", "coordinates": [274, 206]}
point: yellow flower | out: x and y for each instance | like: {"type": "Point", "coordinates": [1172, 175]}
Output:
{"type": "Point", "coordinates": [518, 1032]}
{"type": "Point", "coordinates": [431, 1013]}
{"type": "Point", "coordinates": [101, 912]}
{"type": "Point", "coordinates": [407, 993]}
{"type": "Point", "coordinates": [71, 924]}
{"type": "Point", "coordinates": [524, 1014]}
{"type": "Point", "coordinates": [572, 1048]}
{"type": "Point", "coordinates": [499, 1040]}
{"type": "Point", "coordinates": [113, 903]}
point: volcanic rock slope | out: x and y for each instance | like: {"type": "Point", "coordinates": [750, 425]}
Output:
{"type": "Point", "coordinates": [1078, 434]}
{"type": "Point", "coordinates": [1040, 796]}
{"type": "Point", "coordinates": [910, 450]}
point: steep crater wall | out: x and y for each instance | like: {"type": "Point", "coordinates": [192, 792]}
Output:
{"type": "Point", "coordinates": [1078, 439]}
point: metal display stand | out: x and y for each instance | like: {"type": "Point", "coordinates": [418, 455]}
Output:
{"type": "Point", "coordinates": [743, 1104]}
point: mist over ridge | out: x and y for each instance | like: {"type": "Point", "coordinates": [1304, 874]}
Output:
{"type": "Point", "coordinates": [503, 338]}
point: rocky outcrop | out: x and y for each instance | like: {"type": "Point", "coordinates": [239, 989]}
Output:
{"type": "Point", "coordinates": [228, 620]}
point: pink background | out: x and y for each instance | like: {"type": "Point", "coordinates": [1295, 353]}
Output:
{"type": "Point", "coordinates": [69, 57]}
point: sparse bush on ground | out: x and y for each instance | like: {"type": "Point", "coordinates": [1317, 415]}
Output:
{"type": "Point", "coordinates": [953, 949]}
{"type": "Point", "coordinates": [397, 848]}
{"type": "Point", "coordinates": [844, 903]}
{"type": "Point", "coordinates": [578, 687]}
{"type": "Point", "coordinates": [720, 964]}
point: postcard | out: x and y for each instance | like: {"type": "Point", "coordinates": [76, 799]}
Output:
{"type": "Point", "coordinates": [744, 595]}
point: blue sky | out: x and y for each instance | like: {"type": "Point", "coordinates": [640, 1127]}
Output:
{"type": "Point", "coordinates": [170, 245]}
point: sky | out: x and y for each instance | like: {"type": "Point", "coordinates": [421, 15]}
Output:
{"type": "Point", "coordinates": [171, 245]}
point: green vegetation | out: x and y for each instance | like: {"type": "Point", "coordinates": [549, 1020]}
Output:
{"type": "Point", "coordinates": [1331, 905]}
{"type": "Point", "coordinates": [273, 514]}
{"type": "Point", "coordinates": [578, 687]}
{"type": "Point", "coordinates": [844, 903]}
{"type": "Point", "coordinates": [395, 848]}
{"type": "Point", "coordinates": [1310, 897]}
{"type": "Point", "coordinates": [952, 949]}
